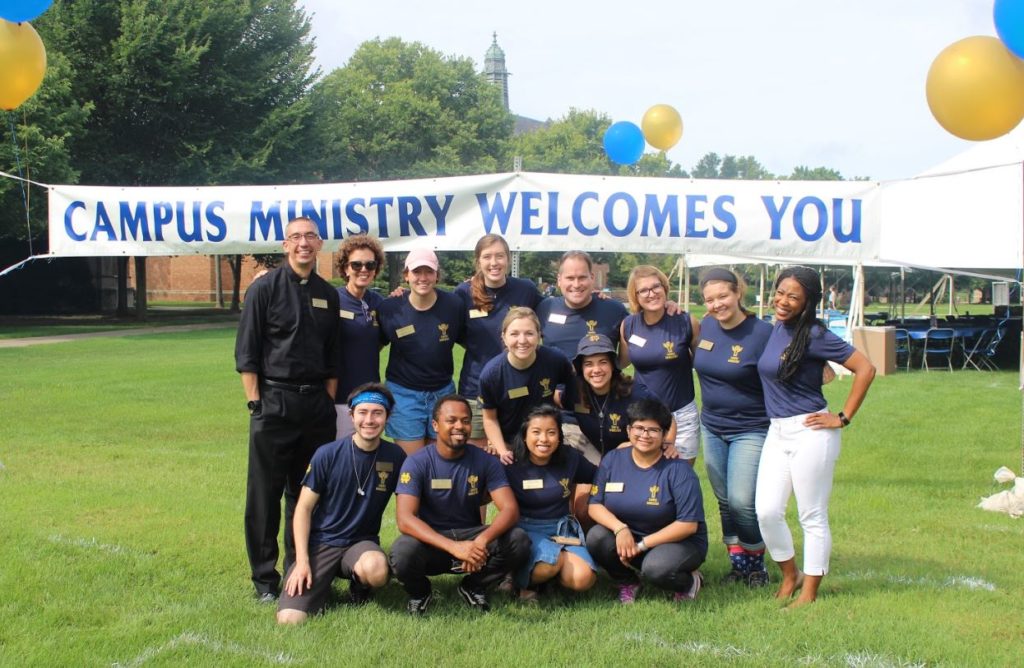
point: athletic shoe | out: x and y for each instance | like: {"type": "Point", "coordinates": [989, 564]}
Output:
{"type": "Point", "coordinates": [691, 595]}
{"type": "Point", "coordinates": [627, 593]}
{"type": "Point", "coordinates": [418, 606]}
{"type": "Point", "coordinates": [734, 576]}
{"type": "Point", "coordinates": [757, 579]}
{"type": "Point", "coordinates": [507, 586]}
{"type": "Point", "coordinates": [476, 598]}
{"type": "Point", "coordinates": [358, 593]}
{"type": "Point", "coordinates": [266, 598]}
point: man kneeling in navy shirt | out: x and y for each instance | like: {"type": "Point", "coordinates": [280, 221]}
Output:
{"type": "Point", "coordinates": [337, 519]}
{"type": "Point", "coordinates": [440, 491]}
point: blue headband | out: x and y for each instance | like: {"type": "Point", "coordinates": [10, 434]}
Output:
{"type": "Point", "coordinates": [369, 397]}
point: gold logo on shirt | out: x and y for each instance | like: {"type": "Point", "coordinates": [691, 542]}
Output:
{"type": "Point", "coordinates": [614, 417]}
{"type": "Point", "coordinates": [382, 485]}
{"type": "Point", "coordinates": [473, 480]}
{"type": "Point", "coordinates": [594, 490]}
{"type": "Point", "coordinates": [564, 482]}
{"type": "Point", "coordinates": [653, 501]}
{"type": "Point", "coordinates": [670, 350]}
{"type": "Point", "coordinates": [373, 318]}
{"type": "Point", "coordinates": [591, 326]}
{"type": "Point", "coordinates": [444, 332]}
{"type": "Point", "coordinates": [545, 385]}
{"type": "Point", "coordinates": [405, 478]}
{"type": "Point", "coordinates": [735, 358]}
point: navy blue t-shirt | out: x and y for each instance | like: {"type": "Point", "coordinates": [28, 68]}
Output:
{"type": "Point", "coordinates": [358, 342]}
{"type": "Point", "coordinates": [451, 490]}
{"type": "Point", "coordinates": [546, 492]}
{"type": "Point", "coordinates": [604, 422]}
{"type": "Point", "coordinates": [483, 330]}
{"type": "Point", "coordinates": [563, 327]}
{"type": "Point", "coordinates": [731, 396]}
{"type": "Point", "coordinates": [802, 394]}
{"type": "Point", "coordinates": [342, 517]}
{"type": "Point", "coordinates": [648, 500]}
{"type": "Point", "coordinates": [513, 392]}
{"type": "Point", "coordinates": [660, 354]}
{"type": "Point", "coordinates": [421, 341]}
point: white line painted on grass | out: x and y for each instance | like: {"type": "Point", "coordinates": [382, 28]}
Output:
{"type": "Point", "coordinates": [93, 544]}
{"type": "Point", "coordinates": [191, 638]}
{"type": "Point", "coordinates": [690, 646]}
{"type": "Point", "coordinates": [951, 582]}
{"type": "Point", "coordinates": [869, 660]}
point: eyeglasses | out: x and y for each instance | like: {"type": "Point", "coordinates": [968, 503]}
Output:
{"type": "Point", "coordinates": [359, 266]}
{"type": "Point", "coordinates": [653, 290]}
{"type": "Point", "coordinates": [646, 431]}
{"type": "Point", "coordinates": [299, 236]}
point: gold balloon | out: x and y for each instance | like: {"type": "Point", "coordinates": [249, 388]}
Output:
{"type": "Point", "coordinates": [662, 126]}
{"type": "Point", "coordinates": [975, 88]}
{"type": "Point", "coordinates": [22, 63]}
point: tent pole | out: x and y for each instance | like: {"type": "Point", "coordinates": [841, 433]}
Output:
{"type": "Point", "coordinates": [686, 284]}
{"type": "Point", "coordinates": [760, 293]}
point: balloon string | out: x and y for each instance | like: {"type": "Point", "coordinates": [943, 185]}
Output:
{"type": "Point", "coordinates": [24, 193]}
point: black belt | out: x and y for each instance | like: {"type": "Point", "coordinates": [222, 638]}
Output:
{"type": "Point", "coordinates": [292, 387]}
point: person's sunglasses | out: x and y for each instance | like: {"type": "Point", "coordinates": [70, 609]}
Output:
{"type": "Point", "coordinates": [359, 266]}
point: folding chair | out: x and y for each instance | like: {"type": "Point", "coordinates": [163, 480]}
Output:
{"type": "Point", "coordinates": [977, 351]}
{"type": "Point", "coordinates": [939, 341]}
{"type": "Point", "coordinates": [903, 347]}
{"type": "Point", "coordinates": [988, 355]}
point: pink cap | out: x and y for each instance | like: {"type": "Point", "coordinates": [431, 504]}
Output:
{"type": "Point", "coordinates": [421, 257]}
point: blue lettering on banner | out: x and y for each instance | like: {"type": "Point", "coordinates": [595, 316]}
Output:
{"type": "Point", "coordinates": [693, 214]}
{"type": "Point", "coordinates": [656, 215]}
{"type": "Point", "coordinates": [798, 219]}
{"type": "Point", "coordinates": [267, 222]}
{"type": "Point", "coordinates": [837, 221]}
{"type": "Point", "coordinates": [68, 227]}
{"type": "Point", "coordinates": [219, 225]}
{"type": "Point", "coordinates": [362, 224]}
{"type": "Point", "coordinates": [382, 204]}
{"type": "Point", "coordinates": [577, 215]}
{"type": "Point", "coordinates": [813, 230]}
{"type": "Point", "coordinates": [163, 214]}
{"type": "Point", "coordinates": [530, 213]}
{"type": "Point", "coordinates": [553, 227]}
{"type": "Point", "coordinates": [440, 213]}
{"type": "Point", "coordinates": [134, 222]}
{"type": "Point", "coordinates": [103, 224]}
{"type": "Point", "coordinates": [186, 232]}
{"type": "Point", "coordinates": [632, 214]}
{"type": "Point", "coordinates": [775, 213]}
{"type": "Point", "coordinates": [409, 209]}
{"type": "Point", "coordinates": [498, 212]}
{"type": "Point", "coordinates": [726, 216]}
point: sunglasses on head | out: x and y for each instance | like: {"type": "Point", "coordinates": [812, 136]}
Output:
{"type": "Point", "coordinates": [359, 266]}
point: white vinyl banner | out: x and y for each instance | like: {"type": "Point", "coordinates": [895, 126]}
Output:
{"type": "Point", "coordinates": [823, 221]}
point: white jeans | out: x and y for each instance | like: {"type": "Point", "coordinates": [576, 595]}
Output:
{"type": "Point", "coordinates": [800, 461]}
{"type": "Point", "coordinates": [687, 430]}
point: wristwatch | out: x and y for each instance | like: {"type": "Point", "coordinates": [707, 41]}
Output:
{"type": "Point", "coordinates": [843, 419]}
{"type": "Point", "coordinates": [255, 407]}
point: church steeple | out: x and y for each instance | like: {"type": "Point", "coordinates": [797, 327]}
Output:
{"type": "Point", "coordinates": [494, 68]}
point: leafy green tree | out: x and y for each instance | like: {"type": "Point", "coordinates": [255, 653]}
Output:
{"type": "Point", "coordinates": [816, 174]}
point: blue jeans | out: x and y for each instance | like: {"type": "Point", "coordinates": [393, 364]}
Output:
{"type": "Point", "coordinates": [732, 462]}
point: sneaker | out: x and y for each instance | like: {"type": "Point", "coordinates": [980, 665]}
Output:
{"type": "Point", "coordinates": [266, 598]}
{"type": "Point", "coordinates": [734, 576]}
{"type": "Point", "coordinates": [507, 586]}
{"type": "Point", "coordinates": [757, 579]}
{"type": "Point", "coordinates": [358, 593]}
{"type": "Point", "coordinates": [627, 593]}
{"type": "Point", "coordinates": [691, 595]}
{"type": "Point", "coordinates": [418, 606]}
{"type": "Point", "coordinates": [476, 598]}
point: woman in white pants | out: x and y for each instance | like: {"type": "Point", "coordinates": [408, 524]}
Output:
{"type": "Point", "coordinates": [800, 451]}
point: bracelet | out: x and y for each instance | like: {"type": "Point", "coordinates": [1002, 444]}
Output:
{"type": "Point", "coordinates": [619, 530]}
{"type": "Point", "coordinates": [642, 546]}
{"type": "Point", "coordinates": [843, 419]}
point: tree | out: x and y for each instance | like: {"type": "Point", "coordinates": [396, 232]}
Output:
{"type": "Point", "coordinates": [817, 174]}
{"type": "Point", "coordinates": [186, 91]}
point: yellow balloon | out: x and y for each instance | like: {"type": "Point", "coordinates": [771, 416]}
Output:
{"type": "Point", "coordinates": [22, 63]}
{"type": "Point", "coordinates": [975, 88]}
{"type": "Point", "coordinates": [662, 126]}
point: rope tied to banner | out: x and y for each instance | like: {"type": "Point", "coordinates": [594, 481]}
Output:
{"type": "Point", "coordinates": [21, 179]}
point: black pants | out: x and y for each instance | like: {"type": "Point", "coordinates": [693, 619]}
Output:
{"type": "Point", "coordinates": [667, 566]}
{"type": "Point", "coordinates": [281, 442]}
{"type": "Point", "coordinates": [412, 561]}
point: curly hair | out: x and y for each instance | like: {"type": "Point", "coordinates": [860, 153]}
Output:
{"type": "Point", "coordinates": [810, 281]}
{"type": "Point", "coordinates": [359, 242]}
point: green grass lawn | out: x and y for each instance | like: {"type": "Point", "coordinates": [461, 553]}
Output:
{"type": "Point", "coordinates": [122, 491]}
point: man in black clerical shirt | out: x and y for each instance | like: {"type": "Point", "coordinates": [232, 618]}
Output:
{"type": "Point", "coordinates": [285, 352]}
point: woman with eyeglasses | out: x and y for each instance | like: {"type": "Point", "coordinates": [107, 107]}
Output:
{"type": "Point", "coordinates": [800, 451]}
{"type": "Point", "coordinates": [360, 257]}
{"type": "Point", "coordinates": [660, 347]}
{"type": "Point", "coordinates": [487, 297]}
{"type": "Point", "coordinates": [648, 512]}
{"type": "Point", "coordinates": [733, 418]}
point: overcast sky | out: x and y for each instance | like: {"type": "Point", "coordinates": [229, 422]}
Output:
{"type": "Point", "coordinates": [833, 83]}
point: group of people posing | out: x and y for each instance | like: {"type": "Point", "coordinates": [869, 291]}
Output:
{"type": "Point", "coordinates": [585, 466]}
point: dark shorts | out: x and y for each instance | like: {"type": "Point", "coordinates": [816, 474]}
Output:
{"type": "Point", "coordinates": [326, 563]}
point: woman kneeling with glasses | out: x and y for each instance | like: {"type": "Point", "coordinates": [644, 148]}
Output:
{"type": "Point", "coordinates": [649, 512]}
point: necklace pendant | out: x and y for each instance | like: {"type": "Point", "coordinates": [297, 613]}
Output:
{"type": "Point", "coordinates": [360, 491]}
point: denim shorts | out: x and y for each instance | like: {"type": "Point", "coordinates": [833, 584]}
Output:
{"type": "Point", "coordinates": [411, 417]}
{"type": "Point", "coordinates": [545, 550]}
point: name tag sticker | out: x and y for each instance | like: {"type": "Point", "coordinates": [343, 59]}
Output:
{"type": "Point", "coordinates": [402, 332]}
{"type": "Point", "coordinates": [477, 313]}
{"type": "Point", "coordinates": [440, 483]}
{"type": "Point", "coordinates": [557, 318]}
{"type": "Point", "coordinates": [347, 315]}
{"type": "Point", "coordinates": [533, 484]}
{"type": "Point", "coordinates": [638, 341]}
{"type": "Point", "coordinates": [385, 466]}
{"type": "Point", "coordinates": [319, 303]}
{"type": "Point", "coordinates": [518, 392]}
{"type": "Point", "coordinates": [705, 344]}
{"type": "Point", "coordinates": [614, 487]}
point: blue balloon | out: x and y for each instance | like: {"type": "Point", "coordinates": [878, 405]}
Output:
{"type": "Point", "coordinates": [624, 142]}
{"type": "Point", "coordinates": [1009, 19]}
{"type": "Point", "coordinates": [17, 11]}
